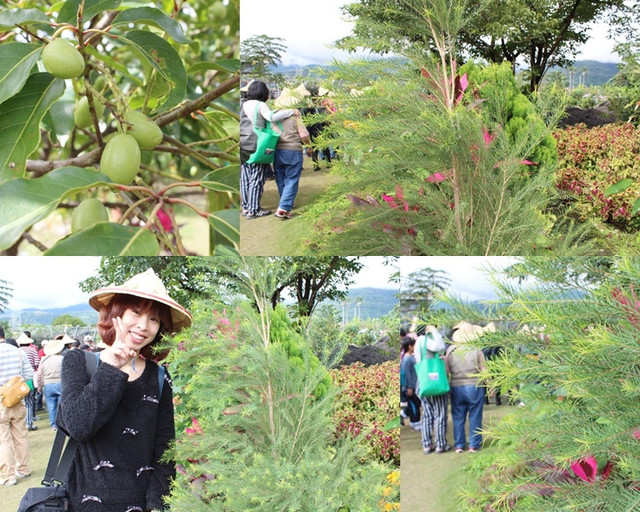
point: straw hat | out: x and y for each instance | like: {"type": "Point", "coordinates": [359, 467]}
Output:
{"type": "Point", "coordinates": [301, 91]}
{"type": "Point", "coordinates": [54, 347]}
{"type": "Point", "coordinates": [246, 87]}
{"type": "Point", "coordinates": [23, 339]}
{"type": "Point", "coordinates": [466, 332]}
{"type": "Point", "coordinates": [286, 100]}
{"type": "Point", "coordinates": [146, 285]}
{"type": "Point", "coordinates": [490, 327]}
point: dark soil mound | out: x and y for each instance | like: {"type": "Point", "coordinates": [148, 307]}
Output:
{"type": "Point", "coordinates": [369, 354]}
{"type": "Point", "coordinates": [589, 116]}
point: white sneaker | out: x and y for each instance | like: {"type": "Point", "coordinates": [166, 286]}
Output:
{"type": "Point", "coordinates": [416, 426]}
{"type": "Point", "coordinates": [403, 414]}
{"type": "Point", "coordinates": [22, 475]}
{"type": "Point", "coordinates": [10, 482]}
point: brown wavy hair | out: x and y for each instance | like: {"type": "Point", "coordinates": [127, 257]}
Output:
{"type": "Point", "coordinates": [116, 308]}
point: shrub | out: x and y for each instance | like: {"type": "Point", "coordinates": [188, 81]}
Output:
{"type": "Point", "coordinates": [593, 159]}
{"type": "Point", "coordinates": [368, 402]}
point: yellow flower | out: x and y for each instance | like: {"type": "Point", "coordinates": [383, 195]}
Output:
{"type": "Point", "coordinates": [387, 491]}
{"type": "Point", "coordinates": [393, 477]}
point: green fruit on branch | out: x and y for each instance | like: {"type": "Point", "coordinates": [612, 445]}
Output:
{"type": "Point", "coordinates": [219, 11]}
{"type": "Point", "coordinates": [100, 83]}
{"type": "Point", "coordinates": [144, 130]}
{"type": "Point", "coordinates": [88, 213]}
{"type": "Point", "coordinates": [82, 115]}
{"type": "Point", "coordinates": [62, 60]}
{"type": "Point", "coordinates": [121, 159]}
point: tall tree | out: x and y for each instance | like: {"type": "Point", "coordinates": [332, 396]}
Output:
{"type": "Point", "coordinates": [67, 320]}
{"type": "Point", "coordinates": [258, 54]}
{"type": "Point", "coordinates": [6, 292]}
{"type": "Point", "coordinates": [419, 288]}
{"type": "Point", "coordinates": [544, 33]}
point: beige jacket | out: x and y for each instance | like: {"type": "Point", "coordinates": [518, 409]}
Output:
{"type": "Point", "coordinates": [50, 370]}
{"type": "Point", "coordinates": [461, 363]}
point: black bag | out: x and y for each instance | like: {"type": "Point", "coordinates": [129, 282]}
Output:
{"type": "Point", "coordinates": [53, 496]}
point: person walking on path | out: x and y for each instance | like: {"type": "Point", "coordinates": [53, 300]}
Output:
{"type": "Point", "coordinates": [289, 158]}
{"type": "Point", "coordinates": [48, 377]}
{"type": "Point", "coordinates": [14, 450]}
{"type": "Point", "coordinates": [467, 391]}
{"type": "Point", "coordinates": [408, 370]}
{"type": "Point", "coordinates": [252, 176]}
{"type": "Point", "coordinates": [122, 415]}
{"type": "Point", "coordinates": [434, 408]}
{"type": "Point", "coordinates": [27, 345]}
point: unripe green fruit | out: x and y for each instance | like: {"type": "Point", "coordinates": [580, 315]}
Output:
{"type": "Point", "coordinates": [62, 60]}
{"type": "Point", "coordinates": [82, 115]}
{"type": "Point", "coordinates": [144, 130]}
{"type": "Point", "coordinates": [121, 159]}
{"type": "Point", "coordinates": [88, 213]}
{"type": "Point", "coordinates": [100, 83]}
{"type": "Point", "coordinates": [219, 11]}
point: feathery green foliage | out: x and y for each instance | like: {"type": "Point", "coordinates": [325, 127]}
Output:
{"type": "Point", "coordinates": [577, 372]}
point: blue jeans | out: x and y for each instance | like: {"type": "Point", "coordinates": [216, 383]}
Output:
{"type": "Point", "coordinates": [52, 396]}
{"type": "Point", "coordinates": [467, 400]}
{"type": "Point", "coordinates": [288, 168]}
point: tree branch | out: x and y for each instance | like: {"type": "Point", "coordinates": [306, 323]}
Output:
{"type": "Point", "coordinates": [42, 167]}
{"type": "Point", "coordinates": [198, 104]}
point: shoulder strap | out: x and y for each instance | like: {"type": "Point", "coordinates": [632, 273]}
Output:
{"type": "Point", "coordinates": [160, 380]}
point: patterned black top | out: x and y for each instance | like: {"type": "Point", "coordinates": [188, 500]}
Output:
{"type": "Point", "coordinates": [123, 429]}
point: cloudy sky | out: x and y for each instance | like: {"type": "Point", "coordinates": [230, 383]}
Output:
{"type": "Point", "coordinates": [53, 281]}
{"type": "Point", "coordinates": [309, 27]}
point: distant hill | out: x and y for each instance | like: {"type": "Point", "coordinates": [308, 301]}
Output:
{"type": "Point", "coordinates": [375, 302]}
{"type": "Point", "coordinates": [36, 316]}
{"type": "Point", "coordinates": [598, 73]}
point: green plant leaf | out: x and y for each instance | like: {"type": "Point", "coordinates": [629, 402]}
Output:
{"type": "Point", "coordinates": [227, 65]}
{"type": "Point", "coordinates": [225, 179]}
{"type": "Point", "coordinates": [394, 423]}
{"type": "Point", "coordinates": [636, 207]}
{"type": "Point", "coordinates": [161, 55]}
{"type": "Point", "coordinates": [9, 19]}
{"type": "Point", "coordinates": [227, 224]}
{"type": "Point", "coordinates": [69, 11]}
{"type": "Point", "coordinates": [20, 127]}
{"type": "Point", "coordinates": [107, 239]}
{"type": "Point", "coordinates": [16, 62]}
{"type": "Point", "coordinates": [621, 186]}
{"type": "Point", "coordinates": [155, 17]}
{"type": "Point", "coordinates": [24, 202]}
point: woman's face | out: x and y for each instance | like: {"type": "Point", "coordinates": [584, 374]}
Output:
{"type": "Point", "coordinates": [140, 327]}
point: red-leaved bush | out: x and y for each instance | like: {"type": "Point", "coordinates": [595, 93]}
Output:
{"type": "Point", "coordinates": [593, 159]}
{"type": "Point", "coordinates": [368, 402]}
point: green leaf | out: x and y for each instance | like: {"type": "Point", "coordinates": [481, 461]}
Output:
{"type": "Point", "coordinates": [20, 127]}
{"type": "Point", "coordinates": [155, 17]}
{"type": "Point", "coordinates": [621, 186]}
{"type": "Point", "coordinates": [227, 224]}
{"type": "Point", "coordinates": [227, 65]}
{"type": "Point", "coordinates": [225, 179]}
{"type": "Point", "coordinates": [9, 19]}
{"type": "Point", "coordinates": [107, 239]}
{"type": "Point", "coordinates": [24, 202]}
{"type": "Point", "coordinates": [636, 207]}
{"type": "Point", "coordinates": [394, 423]}
{"type": "Point", "coordinates": [69, 11]}
{"type": "Point", "coordinates": [161, 55]}
{"type": "Point", "coordinates": [16, 62]}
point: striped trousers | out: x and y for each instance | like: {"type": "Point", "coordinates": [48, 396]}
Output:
{"type": "Point", "coordinates": [434, 418]}
{"type": "Point", "coordinates": [252, 178]}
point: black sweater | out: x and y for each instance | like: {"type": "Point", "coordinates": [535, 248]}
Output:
{"type": "Point", "coordinates": [123, 430]}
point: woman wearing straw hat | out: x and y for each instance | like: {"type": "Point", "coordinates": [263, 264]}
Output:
{"type": "Point", "coordinates": [48, 375]}
{"type": "Point", "coordinates": [122, 421]}
{"type": "Point", "coordinates": [467, 394]}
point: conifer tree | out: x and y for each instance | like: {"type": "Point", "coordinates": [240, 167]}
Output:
{"type": "Point", "coordinates": [430, 166]}
{"type": "Point", "coordinates": [254, 430]}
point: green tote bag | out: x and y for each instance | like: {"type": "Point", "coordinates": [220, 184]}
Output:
{"type": "Point", "coordinates": [432, 375]}
{"type": "Point", "coordinates": [267, 139]}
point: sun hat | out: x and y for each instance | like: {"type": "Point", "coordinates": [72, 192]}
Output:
{"type": "Point", "coordinates": [466, 332]}
{"type": "Point", "coordinates": [286, 100]}
{"type": "Point", "coordinates": [87, 338]}
{"type": "Point", "coordinates": [54, 347]}
{"type": "Point", "coordinates": [146, 285]}
{"type": "Point", "coordinates": [23, 339]}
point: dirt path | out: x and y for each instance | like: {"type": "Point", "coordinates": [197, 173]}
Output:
{"type": "Point", "coordinates": [270, 236]}
{"type": "Point", "coordinates": [429, 482]}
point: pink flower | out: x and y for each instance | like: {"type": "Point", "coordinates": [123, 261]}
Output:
{"type": "Point", "coordinates": [390, 200]}
{"type": "Point", "coordinates": [195, 427]}
{"type": "Point", "coordinates": [436, 177]}
{"type": "Point", "coordinates": [487, 138]}
{"type": "Point", "coordinates": [528, 162]}
{"type": "Point", "coordinates": [165, 220]}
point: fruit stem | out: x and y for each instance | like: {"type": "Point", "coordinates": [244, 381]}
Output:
{"type": "Point", "coordinates": [131, 208]}
{"type": "Point", "coordinates": [63, 27]}
{"type": "Point", "coordinates": [173, 185]}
